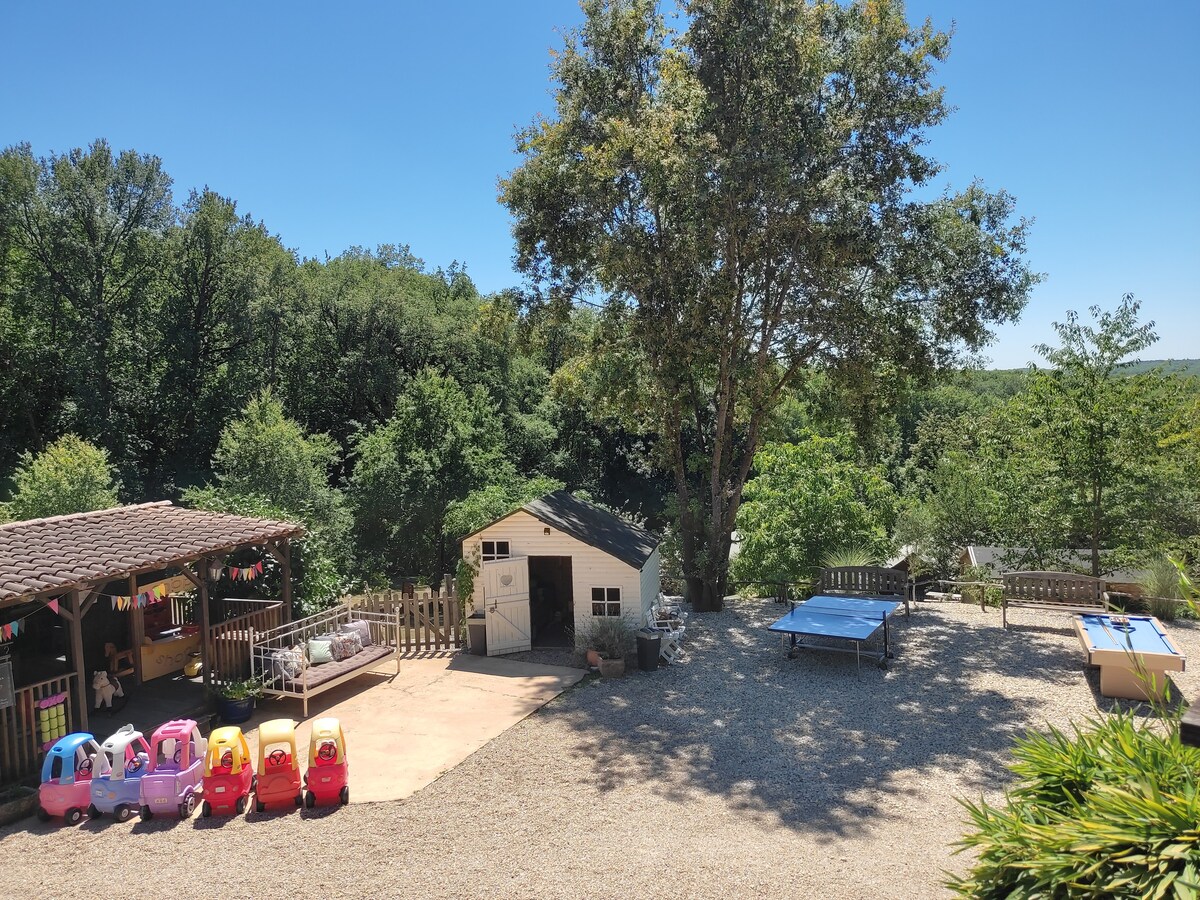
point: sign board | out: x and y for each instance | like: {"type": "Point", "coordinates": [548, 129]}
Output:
{"type": "Point", "coordinates": [8, 691]}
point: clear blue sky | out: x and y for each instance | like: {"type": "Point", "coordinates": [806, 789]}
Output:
{"type": "Point", "coordinates": [356, 123]}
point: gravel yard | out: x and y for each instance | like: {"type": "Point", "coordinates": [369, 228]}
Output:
{"type": "Point", "coordinates": [735, 773]}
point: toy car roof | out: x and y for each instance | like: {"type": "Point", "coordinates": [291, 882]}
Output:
{"type": "Point", "coordinates": [327, 729]}
{"type": "Point", "coordinates": [67, 746]}
{"type": "Point", "coordinates": [276, 730]}
{"type": "Point", "coordinates": [226, 734]}
{"type": "Point", "coordinates": [121, 738]}
{"type": "Point", "coordinates": [179, 729]}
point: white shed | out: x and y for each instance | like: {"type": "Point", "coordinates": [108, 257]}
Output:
{"type": "Point", "coordinates": [555, 562]}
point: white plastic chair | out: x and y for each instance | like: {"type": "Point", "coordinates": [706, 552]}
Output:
{"type": "Point", "coordinates": [668, 624]}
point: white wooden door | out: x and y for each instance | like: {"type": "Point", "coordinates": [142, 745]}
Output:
{"type": "Point", "coordinates": [506, 605]}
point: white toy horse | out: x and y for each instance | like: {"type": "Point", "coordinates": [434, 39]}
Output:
{"type": "Point", "coordinates": [105, 689]}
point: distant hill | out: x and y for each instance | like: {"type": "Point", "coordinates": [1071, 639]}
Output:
{"type": "Point", "coordinates": [1178, 366]}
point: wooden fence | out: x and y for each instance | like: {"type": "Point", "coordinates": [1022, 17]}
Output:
{"type": "Point", "coordinates": [429, 620]}
{"type": "Point", "coordinates": [230, 640]}
{"type": "Point", "coordinates": [21, 743]}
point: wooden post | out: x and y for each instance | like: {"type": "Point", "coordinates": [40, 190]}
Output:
{"type": "Point", "coordinates": [137, 630]}
{"type": "Point", "coordinates": [199, 578]}
{"type": "Point", "coordinates": [285, 564]}
{"type": "Point", "coordinates": [81, 682]}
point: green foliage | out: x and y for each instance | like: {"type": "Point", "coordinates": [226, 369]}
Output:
{"type": "Point", "coordinates": [490, 503]}
{"type": "Point", "coordinates": [742, 194]}
{"type": "Point", "coordinates": [1111, 810]}
{"type": "Point", "coordinates": [1161, 589]}
{"type": "Point", "coordinates": [438, 447]}
{"type": "Point", "coordinates": [806, 501]}
{"type": "Point", "coordinates": [851, 555]}
{"type": "Point", "coordinates": [69, 476]}
{"type": "Point", "coordinates": [240, 690]}
{"type": "Point", "coordinates": [319, 577]}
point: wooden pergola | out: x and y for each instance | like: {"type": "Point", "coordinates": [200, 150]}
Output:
{"type": "Point", "coordinates": [73, 559]}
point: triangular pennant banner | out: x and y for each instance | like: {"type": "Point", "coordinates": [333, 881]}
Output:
{"type": "Point", "coordinates": [16, 627]}
{"type": "Point", "coordinates": [53, 604]}
{"type": "Point", "coordinates": [7, 632]}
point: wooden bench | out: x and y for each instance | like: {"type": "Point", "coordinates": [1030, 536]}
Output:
{"type": "Point", "coordinates": [870, 581]}
{"type": "Point", "coordinates": [384, 628]}
{"type": "Point", "coordinates": [1061, 591]}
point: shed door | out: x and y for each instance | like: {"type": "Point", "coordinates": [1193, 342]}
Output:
{"type": "Point", "coordinates": [506, 605]}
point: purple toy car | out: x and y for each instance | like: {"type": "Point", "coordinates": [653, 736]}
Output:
{"type": "Point", "coordinates": [175, 771]}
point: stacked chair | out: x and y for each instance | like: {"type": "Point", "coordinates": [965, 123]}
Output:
{"type": "Point", "coordinates": [667, 618]}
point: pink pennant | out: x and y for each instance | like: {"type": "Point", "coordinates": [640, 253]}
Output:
{"type": "Point", "coordinates": [7, 631]}
{"type": "Point", "coordinates": [258, 567]}
{"type": "Point", "coordinates": [53, 604]}
{"type": "Point", "coordinates": [233, 573]}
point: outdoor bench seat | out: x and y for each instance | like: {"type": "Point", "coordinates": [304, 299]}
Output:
{"type": "Point", "coordinates": [864, 581]}
{"type": "Point", "coordinates": [1062, 591]}
{"type": "Point", "coordinates": [384, 628]}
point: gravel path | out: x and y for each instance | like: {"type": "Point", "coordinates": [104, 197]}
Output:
{"type": "Point", "coordinates": [735, 773]}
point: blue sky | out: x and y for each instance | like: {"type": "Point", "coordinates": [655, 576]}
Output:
{"type": "Point", "coordinates": [368, 123]}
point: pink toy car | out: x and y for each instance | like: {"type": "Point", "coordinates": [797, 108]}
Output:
{"type": "Point", "coordinates": [175, 770]}
{"type": "Point", "coordinates": [67, 778]}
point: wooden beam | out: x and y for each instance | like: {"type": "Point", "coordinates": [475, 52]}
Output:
{"type": "Point", "coordinates": [137, 630]}
{"type": "Point", "coordinates": [206, 650]}
{"type": "Point", "coordinates": [81, 682]}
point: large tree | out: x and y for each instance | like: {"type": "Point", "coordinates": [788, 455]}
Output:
{"type": "Point", "coordinates": [741, 193]}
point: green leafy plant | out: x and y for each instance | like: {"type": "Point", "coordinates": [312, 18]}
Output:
{"type": "Point", "coordinates": [1161, 589]}
{"type": "Point", "coordinates": [1109, 810]}
{"type": "Point", "coordinates": [610, 636]}
{"type": "Point", "coordinates": [851, 555]}
{"type": "Point", "coordinates": [241, 690]}
{"type": "Point", "coordinates": [983, 591]}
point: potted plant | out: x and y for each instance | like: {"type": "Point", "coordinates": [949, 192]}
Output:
{"type": "Point", "coordinates": [235, 700]}
{"type": "Point", "coordinates": [610, 638]}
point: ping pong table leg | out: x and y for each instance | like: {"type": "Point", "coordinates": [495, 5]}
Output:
{"type": "Point", "coordinates": [887, 645]}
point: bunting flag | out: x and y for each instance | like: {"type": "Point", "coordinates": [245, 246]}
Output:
{"type": "Point", "coordinates": [53, 604]}
{"type": "Point", "coordinates": [142, 600]}
{"type": "Point", "coordinates": [243, 573]}
{"type": "Point", "coordinates": [7, 631]}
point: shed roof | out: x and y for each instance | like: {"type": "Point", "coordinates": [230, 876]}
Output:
{"type": "Point", "coordinates": [61, 553]}
{"type": "Point", "coordinates": [594, 526]}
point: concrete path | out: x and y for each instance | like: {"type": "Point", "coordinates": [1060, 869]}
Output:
{"type": "Point", "coordinates": [405, 731]}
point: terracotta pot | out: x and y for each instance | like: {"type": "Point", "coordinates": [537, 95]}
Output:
{"type": "Point", "coordinates": [612, 668]}
{"type": "Point", "coordinates": [593, 659]}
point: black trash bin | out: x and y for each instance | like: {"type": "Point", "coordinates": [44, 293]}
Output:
{"type": "Point", "coordinates": [649, 643]}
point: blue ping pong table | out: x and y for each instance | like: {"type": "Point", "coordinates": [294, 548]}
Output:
{"type": "Point", "coordinates": [854, 619]}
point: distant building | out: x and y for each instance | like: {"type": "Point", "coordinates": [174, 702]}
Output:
{"type": "Point", "coordinates": [998, 560]}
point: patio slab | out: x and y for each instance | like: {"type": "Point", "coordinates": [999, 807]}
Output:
{"type": "Point", "coordinates": [405, 731]}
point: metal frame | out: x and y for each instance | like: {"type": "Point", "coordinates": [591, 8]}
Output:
{"type": "Point", "coordinates": [881, 657]}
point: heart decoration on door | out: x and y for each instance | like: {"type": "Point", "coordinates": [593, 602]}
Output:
{"type": "Point", "coordinates": [506, 580]}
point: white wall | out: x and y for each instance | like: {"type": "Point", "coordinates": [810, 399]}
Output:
{"type": "Point", "coordinates": [589, 567]}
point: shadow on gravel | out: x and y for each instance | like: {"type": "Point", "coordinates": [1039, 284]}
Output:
{"type": "Point", "coordinates": [812, 742]}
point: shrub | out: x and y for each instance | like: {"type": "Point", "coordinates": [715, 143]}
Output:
{"type": "Point", "coordinates": [611, 637]}
{"type": "Point", "coordinates": [852, 555]}
{"type": "Point", "coordinates": [1161, 589]}
{"type": "Point", "coordinates": [1110, 810]}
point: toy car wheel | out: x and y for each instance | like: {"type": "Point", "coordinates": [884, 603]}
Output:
{"type": "Point", "coordinates": [43, 815]}
{"type": "Point", "coordinates": [260, 806]}
{"type": "Point", "coordinates": [93, 813]}
{"type": "Point", "coordinates": [122, 813]}
{"type": "Point", "coordinates": [73, 816]}
{"type": "Point", "coordinates": [187, 807]}
{"type": "Point", "coordinates": [241, 805]}
{"type": "Point", "coordinates": [310, 799]}
{"type": "Point", "coordinates": [146, 814]}
{"type": "Point", "coordinates": [205, 809]}
{"type": "Point", "coordinates": [344, 796]}
{"type": "Point", "coordinates": [299, 798]}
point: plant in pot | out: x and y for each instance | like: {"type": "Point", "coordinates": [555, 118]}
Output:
{"type": "Point", "coordinates": [235, 700]}
{"type": "Point", "coordinates": [607, 641]}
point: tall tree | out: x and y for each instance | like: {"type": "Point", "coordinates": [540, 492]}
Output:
{"type": "Point", "coordinates": [69, 476]}
{"type": "Point", "coordinates": [741, 193]}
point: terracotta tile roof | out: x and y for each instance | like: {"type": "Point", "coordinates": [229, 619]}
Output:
{"type": "Point", "coordinates": [46, 555]}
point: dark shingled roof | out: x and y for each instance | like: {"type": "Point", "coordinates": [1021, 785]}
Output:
{"type": "Point", "coordinates": [594, 526]}
{"type": "Point", "coordinates": [42, 556]}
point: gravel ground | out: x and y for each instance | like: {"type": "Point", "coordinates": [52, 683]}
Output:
{"type": "Point", "coordinates": [735, 773]}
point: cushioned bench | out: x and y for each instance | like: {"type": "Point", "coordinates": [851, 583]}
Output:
{"type": "Point", "coordinates": [273, 652]}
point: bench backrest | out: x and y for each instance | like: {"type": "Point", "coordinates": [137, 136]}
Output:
{"type": "Point", "coordinates": [863, 580]}
{"type": "Point", "coordinates": [1054, 589]}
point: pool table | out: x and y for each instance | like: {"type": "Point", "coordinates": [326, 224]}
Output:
{"type": "Point", "coordinates": [1119, 649]}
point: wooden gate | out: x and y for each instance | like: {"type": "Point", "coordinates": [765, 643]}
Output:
{"type": "Point", "coordinates": [229, 641]}
{"type": "Point", "coordinates": [428, 620]}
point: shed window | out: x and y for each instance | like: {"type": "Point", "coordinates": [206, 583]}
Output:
{"type": "Point", "coordinates": [606, 601]}
{"type": "Point", "coordinates": [494, 550]}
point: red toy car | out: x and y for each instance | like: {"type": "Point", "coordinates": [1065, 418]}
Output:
{"type": "Point", "coordinates": [328, 775]}
{"type": "Point", "coordinates": [228, 775]}
{"type": "Point", "coordinates": [278, 766]}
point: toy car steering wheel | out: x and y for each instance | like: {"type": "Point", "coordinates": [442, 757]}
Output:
{"type": "Point", "coordinates": [327, 752]}
{"type": "Point", "coordinates": [133, 765]}
{"type": "Point", "coordinates": [85, 766]}
{"type": "Point", "coordinates": [276, 757]}
{"type": "Point", "coordinates": [227, 759]}
{"type": "Point", "coordinates": [178, 754]}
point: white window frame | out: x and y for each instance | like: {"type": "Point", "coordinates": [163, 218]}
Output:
{"type": "Point", "coordinates": [608, 602]}
{"type": "Point", "coordinates": [495, 552]}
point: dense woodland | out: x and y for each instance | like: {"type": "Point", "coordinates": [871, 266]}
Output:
{"type": "Point", "coordinates": [735, 316]}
